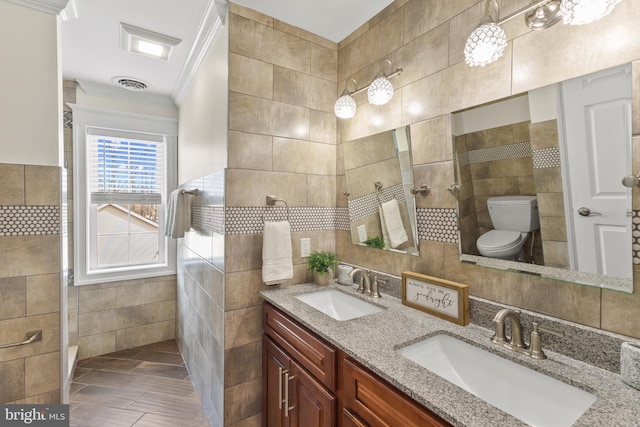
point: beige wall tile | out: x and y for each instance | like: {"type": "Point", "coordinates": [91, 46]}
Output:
{"type": "Point", "coordinates": [431, 140]}
{"type": "Point", "coordinates": [290, 155]}
{"type": "Point", "coordinates": [12, 374]}
{"type": "Point", "coordinates": [305, 35]}
{"type": "Point", "coordinates": [438, 176]}
{"type": "Point", "coordinates": [243, 289]}
{"type": "Point", "coordinates": [243, 401]}
{"type": "Point", "coordinates": [43, 294]}
{"type": "Point", "coordinates": [243, 252]}
{"type": "Point", "coordinates": [138, 315]}
{"type": "Point", "coordinates": [145, 334]}
{"type": "Point", "coordinates": [96, 345]}
{"type": "Point", "coordinates": [250, 114]}
{"type": "Point", "coordinates": [322, 126]}
{"type": "Point", "coordinates": [635, 108]}
{"type": "Point", "coordinates": [544, 134]}
{"type": "Point", "coordinates": [372, 119]}
{"type": "Point", "coordinates": [250, 38]}
{"type": "Point", "coordinates": [42, 373]}
{"type": "Point", "coordinates": [324, 62]}
{"type": "Point", "coordinates": [243, 364]}
{"type": "Point", "coordinates": [29, 255]}
{"type": "Point", "coordinates": [97, 322]}
{"type": "Point", "coordinates": [242, 326]}
{"type": "Point", "coordinates": [423, 56]}
{"type": "Point", "coordinates": [290, 121]}
{"type": "Point", "coordinates": [15, 330]}
{"type": "Point", "coordinates": [250, 76]}
{"type": "Point", "coordinates": [13, 301]}
{"type": "Point", "coordinates": [92, 299]}
{"type": "Point", "coordinates": [235, 8]}
{"type": "Point", "coordinates": [42, 185]}
{"type": "Point", "coordinates": [250, 151]}
{"type": "Point", "coordinates": [551, 204]}
{"type": "Point", "coordinates": [291, 52]}
{"type": "Point", "coordinates": [321, 190]}
{"type": "Point", "coordinates": [556, 254]}
{"type": "Point", "coordinates": [12, 188]}
{"type": "Point", "coordinates": [164, 290]}
{"type": "Point", "coordinates": [424, 15]}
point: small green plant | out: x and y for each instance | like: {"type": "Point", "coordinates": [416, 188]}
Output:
{"type": "Point", "coordinates": [322, 261]}
{"type": "Point", "coordinates": [375, 242]}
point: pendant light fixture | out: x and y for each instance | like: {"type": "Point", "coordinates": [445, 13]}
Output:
{"type": "Point", "coordinates": [487, 42]}
{"type": "Point", "coordinates": [379, 92]}
{"type": "Point", "coordinates": [579, 12]}
{"type": "Point", "coordinates": [345, 106]}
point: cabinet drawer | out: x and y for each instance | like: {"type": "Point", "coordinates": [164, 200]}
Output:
{"type": "Point", "coordinates": [308, 350]}
{"type": "Point", "coordinates": [378, 404]}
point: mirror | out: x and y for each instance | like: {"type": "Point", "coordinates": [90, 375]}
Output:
{"type": "Point", "coordinates": [540, 179]}
{"type": "Point", "coordinates": [379, 174]}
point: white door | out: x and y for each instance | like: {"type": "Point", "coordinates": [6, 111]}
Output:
{"type": "Point", "coordinates": [597, 125]}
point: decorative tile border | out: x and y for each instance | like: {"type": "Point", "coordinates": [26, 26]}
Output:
{"type": "Point", "coordinates": [250, 219]}
{"type": "Point", "coordinates": [635, 239]}
{"type": "Point", "coordinates": [502, 152]}
{"type": "Point", "coordinates": [208, 218]}
{"type": "Point", "coordinates": [29, 220]}
{"type": "Point", "coordinates": [546, 158]}
{"type": "Point", "coordinates": [67, 119]}
{"type": "Point", "coordinates": [366, 205]}
{"type": "Point", "coordinates": [440, 225]}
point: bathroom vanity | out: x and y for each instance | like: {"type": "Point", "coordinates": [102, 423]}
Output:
{"type": "Point", "coordinates": [321, 371]}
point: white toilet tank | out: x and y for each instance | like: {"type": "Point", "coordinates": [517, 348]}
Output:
{"type": "Point", "coordinates": [515, 213]}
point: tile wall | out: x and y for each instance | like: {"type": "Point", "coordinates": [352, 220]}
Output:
{"type": "Point", "coordinates": [426, 38]}
{"type": "Point", "coordinates": [30, 228]}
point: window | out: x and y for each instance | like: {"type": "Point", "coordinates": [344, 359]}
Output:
{"type": "Point", "coordinates": [124, 170]}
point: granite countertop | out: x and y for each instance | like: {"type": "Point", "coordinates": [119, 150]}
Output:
{"type": "Point", "coordinates": [374, 341]}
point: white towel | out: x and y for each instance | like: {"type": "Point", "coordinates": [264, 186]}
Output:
{"type": "Point", "coordinates": [393, 223]}
{"type": "Point", "coordinates": [277, 264]}
{"type": "Point", "coordinates": [178, 214]}
{"type": "Point", "coordinates": [383, 227]}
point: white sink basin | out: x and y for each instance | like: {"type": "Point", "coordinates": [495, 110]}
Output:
{"type": "Point", "coordinates": [338, 305]}
{"type": "Point", "coordinates": [531, 396]}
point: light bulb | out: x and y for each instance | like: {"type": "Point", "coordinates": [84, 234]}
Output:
{"type": "Point", "coordinates": [485, 45]}
{"type": "Point", "coordinates": [380, 90]}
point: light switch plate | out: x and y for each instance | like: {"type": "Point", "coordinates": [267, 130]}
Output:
{"type": "Point", "coordinates": [305, 247]}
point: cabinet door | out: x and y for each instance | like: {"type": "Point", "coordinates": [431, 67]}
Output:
{"type": "Point", "coordinates": [380, 405]}
{"type": "Point", "coordinates": [274, 367]}
{"type": "Point", "coordinates": [310, 403]}
{"type": "Point", "coordinates": [349, 419]}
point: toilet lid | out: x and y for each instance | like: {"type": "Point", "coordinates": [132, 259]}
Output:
{"type": "Point", "coordinates": [499, 239]}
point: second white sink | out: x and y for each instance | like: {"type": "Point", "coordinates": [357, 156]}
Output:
{"type": "Point", "coordinates": [338, 305]}
{"type": "Point", "coordinates": [531, 396]}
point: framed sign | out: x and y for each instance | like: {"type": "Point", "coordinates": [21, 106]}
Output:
{"type": "Point", "coordinates": [438, 297]}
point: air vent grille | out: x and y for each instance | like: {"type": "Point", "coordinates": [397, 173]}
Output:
{"type": "Point", "coordinates": [132, 84]}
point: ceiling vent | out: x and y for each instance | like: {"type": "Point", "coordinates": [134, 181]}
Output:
{"type": "Point", "coordinates": [130, 84]}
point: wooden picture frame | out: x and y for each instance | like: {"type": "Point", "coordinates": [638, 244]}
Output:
{"type": "Point", "coordinates": [439, 297]}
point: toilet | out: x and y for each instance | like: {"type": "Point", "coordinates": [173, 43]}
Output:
{"type": "Point", "coordinates": [513, 218]}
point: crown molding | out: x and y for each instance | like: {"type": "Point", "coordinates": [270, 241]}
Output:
{"type": "Point", "coordinates": [209, 29]}
{"type": "Point", "coordinates": [50, 6]}
{"type": "Point", "coordinates": [115, 92]}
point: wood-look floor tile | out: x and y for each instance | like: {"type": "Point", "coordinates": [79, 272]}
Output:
{"type": "Point", "coordinates": [139, 382]}
{"type": "Point", "coordinates": [160, 357]}
{"type": "Point", "coordinates": [162, 370]}
{"type": "Point", "coordinates": [110, 364]}
{"type": "Point", "coordinates": [75, 387]}
{"type": "Point", "coordinates": [180, 407]}
{"type": "Point", "coordinates": [106, 396]}
{"type": "Point", "coordinates": [97, 416]}
{"type": "Point", "coordinates": [78, 372]}
{"type": "Point", "coordinates": [155, 420]}
{"type": "Point", "coordinates": [169, 346]}
{"type": "Point", "coordinates": [123, 354]}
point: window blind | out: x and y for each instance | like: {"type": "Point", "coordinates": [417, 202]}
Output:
{"type": "Point", "coordinates": [125, 170]}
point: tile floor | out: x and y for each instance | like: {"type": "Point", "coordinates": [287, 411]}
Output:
{"type": "Point", "coordinates": [147, 386]}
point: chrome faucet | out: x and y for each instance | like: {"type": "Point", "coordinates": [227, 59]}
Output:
{"type": "Point", "coordinates": [365, 283]}
{"type": "Point", "coordinates": [516, 342]}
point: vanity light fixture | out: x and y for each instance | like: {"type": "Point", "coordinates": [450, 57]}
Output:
{"type": "Point", "coordinates": [379, 92]}
{"type": "Point", "coordinates": [487, 42]}
{"type": "Point", "coordinates": [579, 12]}
{"type": "Point", "coordinates": [345, 106]}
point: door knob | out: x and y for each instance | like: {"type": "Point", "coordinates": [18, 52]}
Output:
{"type": "Point", "coordinates": [584, 211]}
{"type": "Point", "coordinates": [631, 181]}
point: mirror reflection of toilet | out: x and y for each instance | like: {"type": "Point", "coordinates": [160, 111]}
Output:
{"type": "Point", "coordinates": [513, 217]}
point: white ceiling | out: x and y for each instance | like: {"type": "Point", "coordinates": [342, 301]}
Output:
{"type": "Point", "coordinates": [91, 49]}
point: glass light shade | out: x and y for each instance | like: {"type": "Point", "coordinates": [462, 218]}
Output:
{"type": "Point", "coordinates": [485, 45]}
{"type": "Point", "coordinates": [380, 90]}
{"type": "Point", "coordinates": [579, 12]}
{"type": "Point", "coordinates": [345, 107]}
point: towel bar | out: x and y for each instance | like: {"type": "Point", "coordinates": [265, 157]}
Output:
{"type": "Point", "coordinates": [271, 201]}
{"type": "Point", "coordinates": [193, 192]}
{"type": "Point", "coordinates": [32, 336]}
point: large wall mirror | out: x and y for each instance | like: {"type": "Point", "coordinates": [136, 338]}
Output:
{"type": "Point", "coordinates": [543, 181]}
{"type": "Point", "coordinates": [379, 174]}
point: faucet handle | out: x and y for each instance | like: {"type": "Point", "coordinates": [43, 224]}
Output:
{"type": "Point", "coordinates": [374, 288]}
{"type": "Point", "coordinates": [535, 344]}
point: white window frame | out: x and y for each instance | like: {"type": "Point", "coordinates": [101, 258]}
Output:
{"type": "Point", "coordinates": [85, 119]}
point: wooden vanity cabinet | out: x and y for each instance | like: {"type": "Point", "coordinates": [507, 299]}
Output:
{"type": "Point", "coordinates": [299, 375]}
{"type": "Point", "coordinates": [370, 401]}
